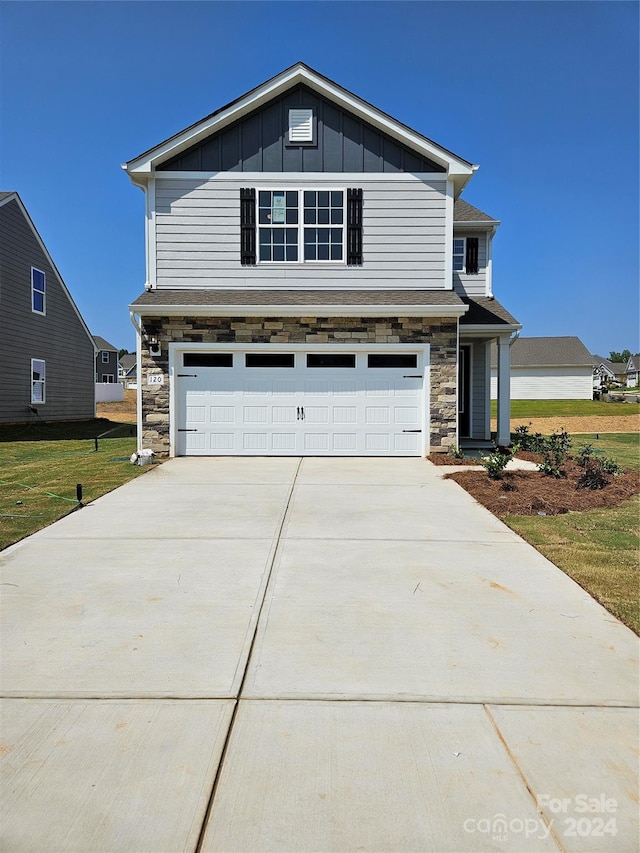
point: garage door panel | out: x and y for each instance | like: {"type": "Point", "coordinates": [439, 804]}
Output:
{"type": "Point", "coordinates": [354, 410]}
{"type": "Point", "coordinates": [284, 442]}
{"type": "Point", "coordinates": [220, 442]}
{"type": "Point", "coordinates": [222, 414]}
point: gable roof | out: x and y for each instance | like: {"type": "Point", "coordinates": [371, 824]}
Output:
{"type": "Point", "coordinates": [615, 368]}
{"type": "Point", "coordinates": [566, 351]}
{"type": "Point", "coordinates": [6, 197]}
{"type": "Point", "coordinates": [128, 361]}
{"type": "Point", "coordinates": [102, 344]}
{"type": "Point", "coordinates": [300, 73]}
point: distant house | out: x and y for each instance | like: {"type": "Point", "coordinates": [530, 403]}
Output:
{"type": "Point", "coordinates": [127, 370]}
{"type": "Point", "coordinates": [548, 368]}
{"type": "Point", "coordinates": [46, 349]}
{"type": "Point", "coordinates": [633, 368]}
{"type": "Point", "coordinates": [608, 372]}
{"type": "Point", "coordinates": [106, 360]}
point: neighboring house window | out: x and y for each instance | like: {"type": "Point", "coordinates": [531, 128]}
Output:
{"type": "Point", "coordinates": [105, 357]}
{"type": "Point", "coordinates": [465, 255]}
{"type": "Point", "coordinates": [301, 226]}
{"type": "Point", "coordinates": [38, 289]}
{"type": "Point", "coordinates": [37, 380]}
{"type": "Point", "coordinates": [107, 377]}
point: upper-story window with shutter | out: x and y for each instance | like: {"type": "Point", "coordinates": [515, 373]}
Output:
{"type": "Point", "coordinates": [465, 255]}
{"type": "Point", "coordinates": [301, 226]}
{"type": "Point", "coordinates": [301, 127]}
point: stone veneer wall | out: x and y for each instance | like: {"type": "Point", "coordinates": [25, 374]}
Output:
{"type": "Point", "coordinates": [441, 334]}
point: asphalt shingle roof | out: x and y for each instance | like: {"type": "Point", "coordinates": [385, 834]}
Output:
{"type": "Point", "coordinates": [465, 212]}
{"type": "Point", "coordinates": [205, 298]}
{"type": "Point", "coordinates": [548, 352]}
{"type": "Point", "coordinates": [103, 345]}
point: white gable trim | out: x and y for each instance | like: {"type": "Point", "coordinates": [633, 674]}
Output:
{"type": "Point", "coordinates": [15, 197]}
{"type": "Point", "coordinates": [272, 89]}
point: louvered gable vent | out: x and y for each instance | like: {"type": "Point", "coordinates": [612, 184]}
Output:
{"type": "Point", "coordinates": [300, 125]}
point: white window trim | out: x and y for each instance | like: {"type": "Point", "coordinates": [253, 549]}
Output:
{"type": "Point", "coordinates": [42, 382]}
{"type": "Point", "coordinates": [464, 255]}
{"type": "Point", "coordinates": [104, 356]}
{"type": "Point", "coordinates": [301, 226]}
{"type": "Point", "coordinates": [108, 378]}
{"type": "Point", "coordinates": [43, 292]}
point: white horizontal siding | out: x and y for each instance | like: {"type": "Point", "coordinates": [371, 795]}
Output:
{"type": "Point", "coordinates": [197, 234]}
{"type": "Point", "coordinates": [473, 285]}
{"type": "Point", "coordinates": [548, 383]}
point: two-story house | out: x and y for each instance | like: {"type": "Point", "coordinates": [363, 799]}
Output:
{"type": "Point", "coordinates": [315, 284]}
{"type": "Point", "coordinates": [106, 361]}
{"type": "Point", "coordinates": [46, 349]}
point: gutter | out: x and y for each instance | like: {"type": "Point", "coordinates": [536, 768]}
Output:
{"type": "Point", "coordinates": [236, 310]}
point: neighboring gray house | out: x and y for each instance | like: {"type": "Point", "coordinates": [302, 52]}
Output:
{"type": "Point", "coordinates": [315, 284]}
{"type": "Point", "coordinates": [106, 360]}
{"type": "Point", "coordinates": [548, 368]}
{"type": "Point", "coordinates": [46, 349]}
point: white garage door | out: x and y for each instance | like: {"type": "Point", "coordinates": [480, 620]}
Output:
{"type": "Point", "coordinates": [300, 403]}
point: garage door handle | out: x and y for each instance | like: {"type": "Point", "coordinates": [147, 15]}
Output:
{"type": "Point", "coordinates": [300, 413]}
{"type": "Point", "coordinates": [182, 375]}
{"type": "Point", "coordinates": [187, 430]}
{"type": "Point", "coordinates": [411, 430]}
{"type": "Point", "coordinates": [411, 376]}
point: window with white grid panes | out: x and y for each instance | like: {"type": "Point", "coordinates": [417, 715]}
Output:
{"type": "Point", "coordinates": [301, 226]}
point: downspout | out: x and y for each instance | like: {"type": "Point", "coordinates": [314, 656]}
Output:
{"type": "Point", "coordinates": [136, 326]}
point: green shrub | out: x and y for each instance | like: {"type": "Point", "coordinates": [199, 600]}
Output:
{"type": "Point", "coordinates": [497, 461]}
{"type": "Point", "coordinates": [554, 454]}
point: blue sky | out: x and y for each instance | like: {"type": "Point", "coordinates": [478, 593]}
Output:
{"type": "Point", "coordinates": [542, 95]}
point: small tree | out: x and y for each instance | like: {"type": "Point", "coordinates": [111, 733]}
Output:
{"type": "Point", "coordinates": [620, 357]}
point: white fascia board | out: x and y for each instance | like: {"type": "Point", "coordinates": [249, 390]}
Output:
{"type": "Point", "coordinates": [489, 331]}
{"type": "Point", "coordinates": [487, 225]}
{"type": "Point", "coordinates": [240, 310]}
{"type": "Point", "coordinates": [277, 178]}
{"type": "Point", "coordinates": [278, 85]}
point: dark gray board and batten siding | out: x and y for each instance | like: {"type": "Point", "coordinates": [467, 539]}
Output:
{"type": "Point", "coordinates": [58, 337]}
{"type": "Point", "coordinates": [258, 143]}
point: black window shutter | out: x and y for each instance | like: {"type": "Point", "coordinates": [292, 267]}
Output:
{"type": "Point", "coordinates": [247, 226]}
{"type": "Point", "coordinates": [471, 265]}
{"type": "Point", "coordinates": [354, 227]}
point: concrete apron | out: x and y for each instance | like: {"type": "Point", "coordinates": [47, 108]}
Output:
{"type": "Point", "coordinates": [326, 655]}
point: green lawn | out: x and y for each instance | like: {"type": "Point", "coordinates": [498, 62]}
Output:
{"type": "Point", "coordinates": [567, 408]}
{"type": "Point", "coordinates": [38, 477]}
{"type": "Point", "coordinates": [598, 549]}
{"type": "Point", "coordinates": [622, 447]}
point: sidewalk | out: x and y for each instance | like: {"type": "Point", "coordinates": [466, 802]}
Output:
{"type": "Point", "coordinates": [297, 655]}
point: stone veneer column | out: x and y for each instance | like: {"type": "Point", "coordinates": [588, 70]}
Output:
{"type": "Point", "coordinates": [440, 334]}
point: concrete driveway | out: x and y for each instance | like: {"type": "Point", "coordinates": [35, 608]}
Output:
{"type": "Point", "coordinates": [307, 655]}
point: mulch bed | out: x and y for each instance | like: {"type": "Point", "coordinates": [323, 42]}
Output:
{"type": "Point", "coordinates": [445, 459]}
{"type": "Point", "coordinates": [535, 493]}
